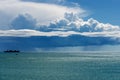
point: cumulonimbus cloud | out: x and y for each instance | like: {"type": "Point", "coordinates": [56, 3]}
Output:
{"type": "Point", "coordinates": [69, 22]}
{"type": "Point", "coordinates": [40, 24]}
{"type": "Point", "coordinates": [73, 22]}
{"type": "Point", "coordinates": [42, 12]}
{"type": "Point", "coordinates": [25, 25]}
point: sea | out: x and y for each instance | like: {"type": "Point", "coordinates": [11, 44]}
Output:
{"type": "Point", "coordinates": [84, 65]}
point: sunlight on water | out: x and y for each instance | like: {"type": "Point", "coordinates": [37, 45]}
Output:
{"type": "Point", "coordinates": [60, 66]}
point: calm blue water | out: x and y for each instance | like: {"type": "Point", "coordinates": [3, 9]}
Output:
{"type": "Point", "coordinates": [60, 66]}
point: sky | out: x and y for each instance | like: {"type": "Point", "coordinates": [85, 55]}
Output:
{"type": "Point", "coordinates": [53, 20]}
{"type": "Point", "coordinates": [106, 11]}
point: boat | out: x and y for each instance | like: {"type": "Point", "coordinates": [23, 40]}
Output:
{"type": "Point", "coordinates": [12, 51]}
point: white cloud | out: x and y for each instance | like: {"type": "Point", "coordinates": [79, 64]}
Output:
{"type": "Point", "coordinates": [46, 1]}
{"type": "Point", "coordinates": [28, 33]}
{"type": "Point", "coordinates": [73, 22]}
{"type": "Point", "coordinates": [68, 24]}
{"type": "Point", "coordinates": [43, 12]}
